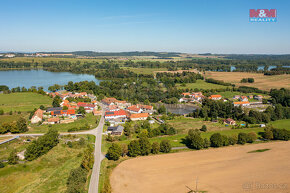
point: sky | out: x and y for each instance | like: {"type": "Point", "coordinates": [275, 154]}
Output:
{"type": "Point", "coordinates": [190, 26]}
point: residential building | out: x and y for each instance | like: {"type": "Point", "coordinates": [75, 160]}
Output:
{"type": "Point", "coordinates": [243, 104]}
{"type": "Point", "coordinates": [53, 109]}
{"type": "Point", "coordinates": [53, 120]}
{"type": "Point", "coordinates": [134, 109]}
{"type": "Point", "coordinates": [243, 98]}
{"type": "Point", "coordinates": [118, 130]}
{"type": "Point", "coordinates": [229, 121]}
{"type": "Point", "coordinates": [86, 105]}
{"type": "Point", "coordinates": [116, 114]}
{"type": "Point", "coordinates": [37, 117]}
{"type": "Point", "coordinates": [215, 97]}
{"type": "Point", "coordinates": [139, 116]}
{"type": "Point", "coordinates": [258, 97]}
{"type": "Point", "coordinates": [109, 101]}
{"type": "Point", "coordinates": [96, 112]}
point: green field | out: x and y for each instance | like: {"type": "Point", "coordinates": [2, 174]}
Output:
{"type": "Point", "coordinates": [89, 119]}
{"type": "Point", "coordinates": [200, 84]}
{"type": "Point", "coordinates": [144, 70]}
{"type": "Point", "coordinates": [24, 101]}
{"type": "Point", "coordinates": [183, 124]}
{"type": "Point", "coordinates": [11, 118]}
{"type": "Point", "coordinates": [281, 124]}
{"type": "Point", "coordinates": [48, 173]}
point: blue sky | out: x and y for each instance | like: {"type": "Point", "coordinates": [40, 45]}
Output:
{"type": "Point", "coordinates": [192, 26]}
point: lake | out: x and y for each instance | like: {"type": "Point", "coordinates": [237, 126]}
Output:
{"type": "Point", "coordinates": [28, 78]}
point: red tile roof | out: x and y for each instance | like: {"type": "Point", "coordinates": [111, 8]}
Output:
{"type": "Point", "coordinates": [82, 104]}
{"type": "Point", "coordinates": [133, 108]}
{"type": "Point", "coordinates": [139, 115]}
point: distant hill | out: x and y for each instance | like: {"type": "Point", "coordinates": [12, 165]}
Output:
{"type": "Point", "coordinates": [95, 54]}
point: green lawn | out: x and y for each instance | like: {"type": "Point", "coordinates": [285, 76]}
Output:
{"type": "Point", "coordinates": [25, 101]}
{"type": "Point", "coordinates": [89, 119]}
{"type": "Point", "coordinates": [183, 124]}
{"type": "Point", "coordinates": [48, 173]}
{"type": "Point", "coordinates": [11, 118]}
{"type": "Point", "coordinates": [281, 124]}
{"type": "Point", "coordinates": [144, 70]}
{"type": "Point", "coordinates": [200, 84]}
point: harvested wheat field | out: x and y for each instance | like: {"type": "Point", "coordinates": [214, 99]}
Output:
{"type": "Point", "coordinates": [227, 170]}
{"type": "Point", "coordinates": [261, 81]}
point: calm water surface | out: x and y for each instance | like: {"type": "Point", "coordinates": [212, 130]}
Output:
{"type": "Point", "coordinates": [28, 78]}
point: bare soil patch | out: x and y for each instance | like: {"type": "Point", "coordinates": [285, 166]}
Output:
{"type": "Point", "coordinates": [227, 170]}
{"type": "Point", "coordinates": [261, 81]}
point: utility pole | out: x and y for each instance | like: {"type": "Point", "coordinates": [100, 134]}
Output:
{"type": "Point", "coordinates": [196, 184]}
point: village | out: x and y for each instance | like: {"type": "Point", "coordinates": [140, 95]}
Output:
{"type": "Point", "coordinates": [118, 112]}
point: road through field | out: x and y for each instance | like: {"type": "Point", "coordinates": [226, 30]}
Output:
{"type": "Point", "coordinates": [227, 170]}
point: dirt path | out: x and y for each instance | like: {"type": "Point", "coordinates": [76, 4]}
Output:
{"type": "Point", "coordinates": [227, 170]}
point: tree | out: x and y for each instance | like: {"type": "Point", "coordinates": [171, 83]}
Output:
{"type": "Point", "coordinates": [1, 164]}
{"type": "Point", "coordinates": [13, 158]}
{"type": "Point", "coordinates": [206, 143]}
{"type": "Point", "coordinates": [76, 180]}
{"type": "Point", "coordinates": [88, 160]}
{"type": "Point", "coordinates": [56, 101]}
{"type": "Point", "coordinates": [242, 138]}
{"type": "Point", "coordinates": [252, 136]}
{"type": "Point", "coordinates": [42, 107]}
{"type": "Point", "coordinates": [194, 139]}
{"type": "Point", "coordinates": [203, 128]}
{"type": "Point", "coordinates": [1, 112]}
{"type": "Point", "coordinates": [268, 134]}
{"type": "Point", "coordinates": [114, 152]}
{"type": "Point", "coordinates": [171, 131]}
{"type": "Point", "coordinates": [162, 109]}
{"type": "Point", "coordinates": [145, 146]}
{"type": "Point", "coordinates": [42, 145]}
{"type": "Point", "coordinates": [216, 140]}
{"type": "Point", "coordinates": [281, 134]}
{"type": "Point", "coordinates": [155, 147]}
{"type": "Point", "coordinates": [81, 110]}
{"type": "Point", "coordinates": [165, 146]}
{"type": "Point", "coordinates": [124, 148]}
{"type": "Point", "coordinates": [134, 148]}
{"type": "Point", "coordinates": [233, 139]}
{"type": "Point", "coordinates": [22, 125]}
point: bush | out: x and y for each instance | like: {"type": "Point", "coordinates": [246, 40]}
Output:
{"type": "Point", "coordinates": [281, 134]}
{"type": "Point", "coordinates": [42, 145]}
{"type": "Point", "coordinates": [145, 146]}
{"type": "Point", "coordinates": [69, 144]}
{"type": "Point", "coordinates": [13, 158]}
{"type": "Point", "coordinates": [203, 128]}
{"type": "Point", "coordinates": [206, 143]}
{"type": "Point", "coordinates": [155, 148]}
{"type": "Point", "coordinates": [114, 152]}
{"type": "Point", "coordinates": [252, 136]}
{"type": "Point", "coordinates": [233, 140]}
{"type": "Point", "coordinates": [216, 140]}
{"type": "Point", "coordinates": [134, 148]}
{"type": "Point", "coordinates": [242, 138]}
{"type": "Point", "coordinates": [165, 146]}
{"type": "Point", "coordinates": [2, 165]}
{"type": "Point", "coordinates": [194, 139]}
{"type": "Point", "coordinates": [1, 112]}
{"type": "Point", "coordinates": [76, 180]}
{"type": "Point", "coordinates": [268, 134]}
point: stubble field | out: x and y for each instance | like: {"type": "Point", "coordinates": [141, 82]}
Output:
{"type": "Point", "coordinates": [229, 169]}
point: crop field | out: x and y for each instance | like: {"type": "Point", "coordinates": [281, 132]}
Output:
{"type": "Point", "coordinates": [228, 169]}
{"type": "Point", "coordinates": [144, 70]}
{"type": "Point", "coordinates": [200, 84]}
{"type": "Point", "coordinates": [23, 101]}
{"type": "Point", "coordinates": [262, 82]}
{"type": "Point", "coordinates": [49, 173]}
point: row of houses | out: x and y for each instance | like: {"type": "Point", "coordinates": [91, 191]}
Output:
{"type": "Point", "coordinates": [64, 95]}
